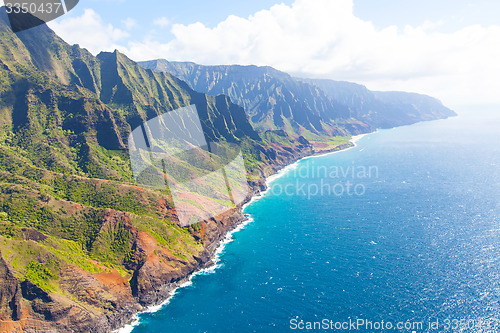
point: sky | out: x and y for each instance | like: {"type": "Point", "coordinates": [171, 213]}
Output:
{"type": "Point", "coordinates": [449, 49]}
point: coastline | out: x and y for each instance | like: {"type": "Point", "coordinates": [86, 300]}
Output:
{"type": "Point", "coordinates": [210, 266]}
{"type": "Point", "coordinates": [354, 140]}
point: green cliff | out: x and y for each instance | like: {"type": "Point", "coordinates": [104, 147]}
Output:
{"type": "Point", "coordinates": [82, 247]}
{"type": "Point", "coordinates": [312, 108]}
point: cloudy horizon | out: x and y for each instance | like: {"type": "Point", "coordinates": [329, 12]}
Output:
{"type": "Point", "coordinates": [315, 39]}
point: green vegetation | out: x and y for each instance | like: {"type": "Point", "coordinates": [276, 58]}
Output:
{"type": "Point", "coordinates": [68, 199]}
{"type": "Point", "coordinates": [41, 274]}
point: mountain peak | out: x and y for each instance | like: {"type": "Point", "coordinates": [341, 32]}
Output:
{"type": "Point", "coordinates": [275, 100]}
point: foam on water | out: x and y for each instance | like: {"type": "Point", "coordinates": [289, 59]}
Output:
{"type": "Point", "coordinates": [210, 269]}
{"type": "Point", "coordinates": [228, 238]}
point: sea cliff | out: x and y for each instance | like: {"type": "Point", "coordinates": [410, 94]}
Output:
{"type": "Point", "coordinates": [82, 247]}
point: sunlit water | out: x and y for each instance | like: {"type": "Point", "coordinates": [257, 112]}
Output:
{"type": "Point", "coordinates": [415, 241]}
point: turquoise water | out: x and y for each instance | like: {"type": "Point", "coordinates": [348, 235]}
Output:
{"type": "Point", "coordinates": [412, 237]}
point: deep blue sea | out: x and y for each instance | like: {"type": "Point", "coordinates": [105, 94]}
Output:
{"type": "Point", "coordinates": [403, 229]}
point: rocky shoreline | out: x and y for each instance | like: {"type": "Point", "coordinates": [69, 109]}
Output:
{"type": "Point", "coordinates": [109, 300]}
{"type": "Point", "coordinates": [157, 298]}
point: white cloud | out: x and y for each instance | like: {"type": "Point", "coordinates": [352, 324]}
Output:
{"type": "Point", "coordinates": [90, 32]}
{"type": "Point", "coordinates": [129, 23]}
{"type": "Point", "coordinates": [323, 38]}
{"type": "Point", "coordinates": [161, 22]}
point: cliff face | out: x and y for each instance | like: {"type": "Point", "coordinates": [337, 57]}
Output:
{"type": "Point", "coordinates": [10, 293]}
{"type": "Point", "coordinates": [383, 109]}
{"type": "Point", "coordinates": [274, 99]}
{"type": "Point", "coordinates": [82, 247]}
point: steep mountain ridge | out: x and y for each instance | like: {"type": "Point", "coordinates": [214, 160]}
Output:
{"type": "Point", "coordinates": [272, 99]}
{"type": "Point", "coordinates": [82, 247]}
{"type": "Point", "coordinates": [383, 109]}
{"type": "Point", "coordinates": [267, 94]}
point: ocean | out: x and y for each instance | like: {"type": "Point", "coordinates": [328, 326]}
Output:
{"type": "Point", "coordinates": [398, 234]}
